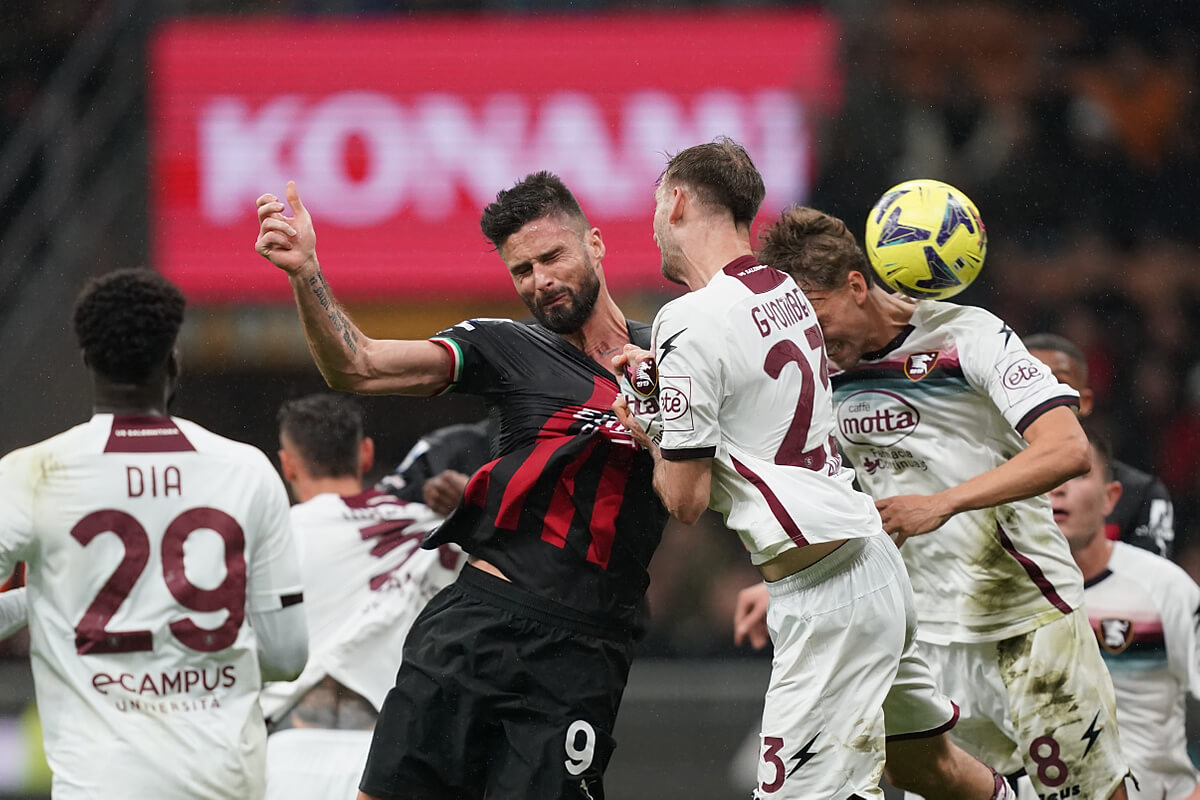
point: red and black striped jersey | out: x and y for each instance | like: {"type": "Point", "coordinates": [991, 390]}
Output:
{"type": "Point", "coordinates": [565, 508]}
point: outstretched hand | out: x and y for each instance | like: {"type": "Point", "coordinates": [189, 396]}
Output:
{"type": "Point", "coordinates": [750, 616]}
{"type": "Point", "coordinates": [627, 419]}
{"type": "Point", "coordinates": [443, 491]}
{"type": "Point", "coordinates": [909, 515]}
{"type": "Point", "coordinates": [289, 243]}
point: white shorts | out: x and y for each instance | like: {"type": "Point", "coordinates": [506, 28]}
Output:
{"type": "Point", "coordinates": [315, 763]}
{"type": "Point", "coordinates": [1041, 701]}
{"type": "Point", "coordinates": [844, 636]}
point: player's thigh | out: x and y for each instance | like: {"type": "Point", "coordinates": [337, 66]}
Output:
{"type": "Point", "coordinates": [916, 708]}
{"type": "Point", "coordinates": [434, 734]}
{"type": "Point", "coordinates": [557, 715]}
{"type": "Point", "coordinates": [968, 673]}
{"type": "Point", "coordinates": [1063, 709]}
{"type": "Point", "coordinates": [838, 630]}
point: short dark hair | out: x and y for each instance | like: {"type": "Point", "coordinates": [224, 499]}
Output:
{"type": "Point", "coordinates": [541, 194]}
{"type": "Point", "coordinates": [1103, 446]}
{"type": "Point", "coordinates": [126, 322]}
{"type": "Point", "coordinates": [1059, 344]}
{"type": "Point", "coordinates": [815, 248]}
{"type": "Point", "coordinates": [722, 174]}
{"type": "Point", "coordinates": [326, 429]}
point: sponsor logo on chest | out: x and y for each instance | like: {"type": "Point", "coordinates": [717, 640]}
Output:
{"type": "Point", "coordinates": [876, 417]}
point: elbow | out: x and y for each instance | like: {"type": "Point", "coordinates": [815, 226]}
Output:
{"type": "Point", "coordinates": [687, 511]}
{"type": "Point", "coordinates": [340, 382]}
{"type": "Point", "coordinates": [286, 664]}
{"type": "Point", "coordinates": [1076, 456]}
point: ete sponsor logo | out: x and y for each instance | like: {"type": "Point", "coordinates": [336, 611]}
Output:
{"type": "Point", "coordinates": [874, 417]}
{"type": "Point", "coordinates": [1021, 374]}
{"type": "Point", "coordinates": [673, 401]}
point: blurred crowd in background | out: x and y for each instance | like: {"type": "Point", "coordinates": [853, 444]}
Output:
{"type": "Point", "coordinates": [1073, 126]}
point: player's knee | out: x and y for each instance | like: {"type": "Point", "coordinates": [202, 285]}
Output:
{"type": "Point", "coordinates": [920, 765]}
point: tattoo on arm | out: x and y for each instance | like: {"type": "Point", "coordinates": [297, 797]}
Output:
{"type": "Point", "coordinates": [336, 316]}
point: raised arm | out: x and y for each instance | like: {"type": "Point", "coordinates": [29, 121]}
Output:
{"type": "Point", "coordinates": [1057, 451]}
{"type": "Point", "coordinates": [349, 359]}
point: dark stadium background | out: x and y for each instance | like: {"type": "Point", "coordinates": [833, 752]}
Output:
{"type": "Point", "coordinates": [1072, 127]}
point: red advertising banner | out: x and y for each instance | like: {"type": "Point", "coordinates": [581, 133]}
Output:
{"type": "Point", "coordinates": [399, 131]}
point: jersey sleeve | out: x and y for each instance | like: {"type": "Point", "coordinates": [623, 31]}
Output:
{"type": "Point", "coordinates": [479, 354]}
{"type": "Point", "coordinates": [690, 383]}
{"type": "Point", "coordinates": [273, 566]}
{"type": "Point", "coordinates": [1181, 615]}
{"type": "Point", "coordinates": [994, 358]}
{"type": "Point", "coordinates": [16, 510]}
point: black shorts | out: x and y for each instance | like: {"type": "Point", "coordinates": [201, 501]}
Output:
{"type": "Point", "coordinates": [498, 695]}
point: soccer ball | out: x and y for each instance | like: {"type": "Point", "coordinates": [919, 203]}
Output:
{"type": "Point", "coordinates": [925, 239]}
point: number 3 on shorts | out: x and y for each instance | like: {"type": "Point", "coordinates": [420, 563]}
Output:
{"type": "Point", "coordinates": [579, 756]}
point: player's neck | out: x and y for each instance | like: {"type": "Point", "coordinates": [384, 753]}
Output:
{"type": "Point", "coordinates": [890, 314]}
{"type": "Point", "coordinates": [604, 333]}
{"type": "Point", "coordinates": [109, 397]}
{"type": "Point", "coordinates": [1092, 559]}
{"type": "Point", "coordinates": [306, 488]}
{"type": "Point", "coordinates": [708, 250]}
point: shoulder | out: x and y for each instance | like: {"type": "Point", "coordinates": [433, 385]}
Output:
{"type": "Point", "coordinates": [214, 444]}
{"type": "Point", "coordinates": [319, 509]}
{"type": "Point", "coordinates": [485, 326]}
{"type": "Point", "coordinates": [720, 292]}
{"type": "Point", "coordinates": [1158, 575]}
{"type": "Point", "coordinates": [31, 460]}
{"type": "Point", "coordinates": [965, 321]}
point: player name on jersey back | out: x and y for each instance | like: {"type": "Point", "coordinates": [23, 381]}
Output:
{"type": "Point", "coordinates": [148, 541]}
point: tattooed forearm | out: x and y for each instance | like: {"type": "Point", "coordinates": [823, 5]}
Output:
{"type": "Point", "coordinates": [321, 289]}
{"type": "Point", "coordinates": [336, 316]}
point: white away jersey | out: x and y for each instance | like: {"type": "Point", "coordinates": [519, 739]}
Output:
{"type": "Point", "coordinates": [365, 580]}
{"type": "Point", "coordinates": [1144, 610]}
{"type": "Point", "coordinates": [743, 380]}
{"type": "Point", "coordinates": [946, 401]}
{"type": "Point", "coordinates": [147, 541]}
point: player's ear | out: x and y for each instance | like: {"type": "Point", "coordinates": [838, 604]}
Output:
{"type": "Point", "coordinates": [366, 455]}
{"type": "Point", "coordinates": [1112, 493]}
{"type": "Point", "coordinates": [856, 282]}
{"type": "Point", "coordinates": [596, 243]}
{"type": "Point", "coordinates": [678, 202]}
{"type": "Point", "coordinates": [1086, 398]}
{"type": "Point", "coordinates": [287, 466]}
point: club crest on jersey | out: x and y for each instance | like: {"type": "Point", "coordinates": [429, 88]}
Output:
{"type": "Point", "coordinates": [1115, 635]}
{"type": "Point", "coordinates": [643, 377]}
{"type": "Point", "coordinates": [918, 365]}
